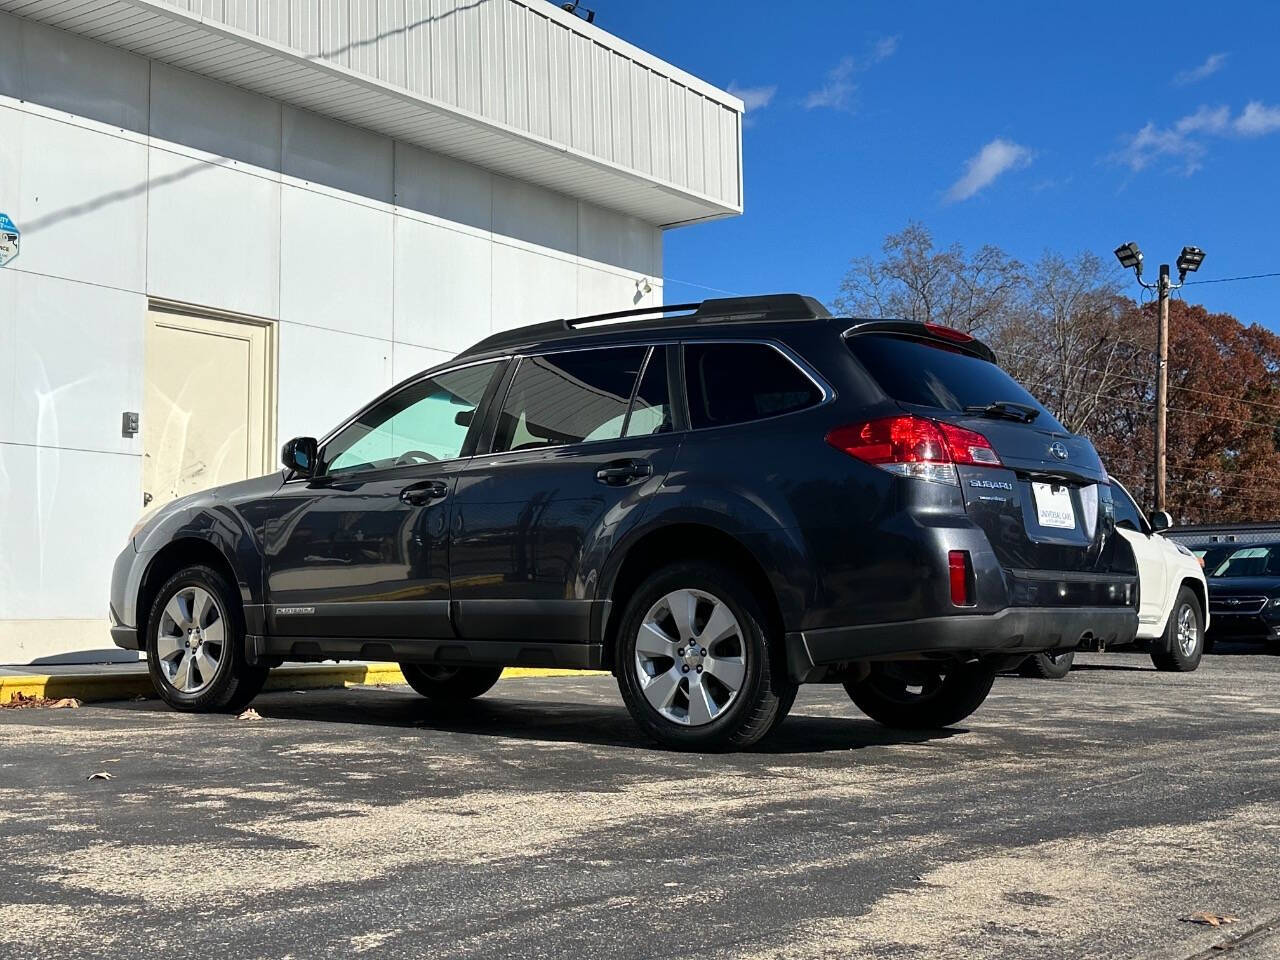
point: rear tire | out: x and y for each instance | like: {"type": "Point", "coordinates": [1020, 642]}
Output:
{"type": "Point", "coordinates": [195, 644]}
{"type": "Point", "coordinates": [1183, 643]}
{"type": "Point", "coordinates": [1050, 665]}
{"type": "Point", "coordinates": [697, 665]}
{"type": "Point", "coordinates": [918, 695]}
{"type": "Point", "coordinates": [450, 684]}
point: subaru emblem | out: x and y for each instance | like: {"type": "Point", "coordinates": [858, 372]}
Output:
{"type": "Point", "coordinates": [1058, 450]}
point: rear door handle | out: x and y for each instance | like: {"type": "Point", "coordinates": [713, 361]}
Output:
{"type": "Point", "coordinates": [621, 472]}
{"type": "Point", "coordinates": [420, 494]}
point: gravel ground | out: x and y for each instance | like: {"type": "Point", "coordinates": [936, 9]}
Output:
{"type": "Point", "coordinates": [1072, 819]}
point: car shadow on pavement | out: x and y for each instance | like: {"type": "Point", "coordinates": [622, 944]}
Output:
{"type": "Point", "coordinates": [586, 723]}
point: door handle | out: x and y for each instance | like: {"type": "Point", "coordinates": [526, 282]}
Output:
{"type": "Point", "coordinates": [621, 472]}
{"type": "Point", "coordinates": [420, 494]}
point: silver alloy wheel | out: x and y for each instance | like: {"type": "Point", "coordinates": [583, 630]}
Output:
{"type": "Point", "coordinates": [1188, 631]}
{"type": "Point", "coordinates": [190, 639]}
{"type": "Point", "coordinates": [691, 657]}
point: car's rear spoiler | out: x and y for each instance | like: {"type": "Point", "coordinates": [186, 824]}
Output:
{"type": "Point", "coordinates": [935, 333]}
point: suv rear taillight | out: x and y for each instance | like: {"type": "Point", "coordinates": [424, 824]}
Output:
{"type": "Point", "coordinates": [913, 446]}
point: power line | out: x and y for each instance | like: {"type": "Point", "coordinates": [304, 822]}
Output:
{"type": "Point", "coordinates": [1151, 403]}
{"type": "Point", "coordinates": [701, 286]}
{"type": "Point", "coordinates": [1252, 276]}
{"type": "Point", "coordinates": [1245, 479]}
{"type": "Point", "coordinates": [1145, 380]}
{"type": "Point", "coordinates": [1238, 498]}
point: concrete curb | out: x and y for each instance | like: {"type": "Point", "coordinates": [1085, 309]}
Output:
{"type": "Point", "coordinates": [87, 687]}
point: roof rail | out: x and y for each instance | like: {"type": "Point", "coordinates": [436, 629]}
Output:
{"type": "Point", "coordinates": [777, 306]}
{"type": "Point", "coordinates": [781, 306]}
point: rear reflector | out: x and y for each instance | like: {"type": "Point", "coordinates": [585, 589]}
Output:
{"type": "Point", "coordinates": [913, 446]}
{"type": "Point", "coordinates": [958, 564]}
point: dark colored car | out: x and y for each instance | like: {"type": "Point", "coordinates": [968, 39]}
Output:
{"type": "Point", "coordinates": [717, 504]}
{"type": "Point", "coordinates": [1242, 564]}
{"type": "Point", "coordinates": [1244, 590]}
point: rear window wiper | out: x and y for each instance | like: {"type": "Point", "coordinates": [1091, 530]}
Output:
{"type": "Point", "coordinates": [1005, 409]}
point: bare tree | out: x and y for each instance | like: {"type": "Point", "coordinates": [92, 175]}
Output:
{"type": "Point", "coordinates": [915, 281]}
{"type": "Point", "coordinates": [1068, 339]}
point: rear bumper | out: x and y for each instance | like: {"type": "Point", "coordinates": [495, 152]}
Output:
{"type": "Point", "coordinates": [1013, 630]}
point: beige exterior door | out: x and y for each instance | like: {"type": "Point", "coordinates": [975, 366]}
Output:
{"type": "Point", "coordinates": [208, 416]}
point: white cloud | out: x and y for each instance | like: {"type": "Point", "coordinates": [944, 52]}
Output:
{"type": "Point", "coordinates": [753, 98]}
{"type": "Point", "coordinates": [1212, 64]}
{"type": "Point", "coordinates": [997, 157]}
{"type": "Point", "coordinates": [837, 91]}
{"type": "Point", "coordinates": [1257, 119]}
{"type": "Point", "coordinates": [1153, 143]}
{"type": "Point", "coordinates": [1204, 120]}
{"type": "Point", "coordinates": [1183, 143]}
{"type": "Point", "coordinates": [885, 48]}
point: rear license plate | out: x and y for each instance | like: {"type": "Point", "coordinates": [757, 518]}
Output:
{"type": "Point", "coordinates": [1053, 506]}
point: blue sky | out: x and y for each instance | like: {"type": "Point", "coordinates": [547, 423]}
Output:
{"type": "Point", "coordinates": [1070, 127]}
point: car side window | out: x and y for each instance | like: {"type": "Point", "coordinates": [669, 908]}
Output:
{"type": "Point", "coordinates": [739, 382]}
{"type": "Point", "coordinates": [570, 397]}
{"type": "Point", "coordinates": [422, 423]}
{"type": "Point", "coordinates": [651, 409]}
{"type": "Point", "coordinates": [1127, 513]}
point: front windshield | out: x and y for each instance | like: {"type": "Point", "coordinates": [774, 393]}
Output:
{"type": "Point", "coordinates": [1260, 560]}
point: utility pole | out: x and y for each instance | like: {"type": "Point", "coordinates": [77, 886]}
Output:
{"type": "Point", "coordinates": [1162, 383]}
{"type": "Point", "coordinates": [1188, 262]}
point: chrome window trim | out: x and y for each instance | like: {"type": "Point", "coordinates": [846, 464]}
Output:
{"type": "Point", "coordinates": [520, 357]}
{"type": "Point", "coordinates": [386, 395]}
{"type": "Point", "coordinates": [828, 392]}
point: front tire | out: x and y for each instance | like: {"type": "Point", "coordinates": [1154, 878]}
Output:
{"type": "Point", "coordinates": [696, 661]}
{"type": "Point", "coordinates": [918, 695]}
{"type": "Point", "coordinates": [195, 644]}
{"type": "Point", "coordinates": [450, 684]}
{"type": "Point", "coordinates": [1183, 644]}
{"type": "Point", "coordinates": [1050, 665]}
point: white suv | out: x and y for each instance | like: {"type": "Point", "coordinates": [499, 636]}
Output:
{"type": "Point", "coordinates": [1173, 612]}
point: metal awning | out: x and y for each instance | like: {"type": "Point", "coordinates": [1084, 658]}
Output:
{"type": "Point", "coordinates": [214, 49]}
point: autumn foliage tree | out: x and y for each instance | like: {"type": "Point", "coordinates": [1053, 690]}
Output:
{"type": "Point", "coordinates": [1064, 328]}
{"type": "Point", "coordinates": [1223, 421]}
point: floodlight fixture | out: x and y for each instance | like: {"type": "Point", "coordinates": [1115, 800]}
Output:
{"type": "Point", "coordinates": [1130, 257]}
{"type": "Point", "coordinates": [1189, 261]}
{"type": "Point", "coordinates": [585, 14]}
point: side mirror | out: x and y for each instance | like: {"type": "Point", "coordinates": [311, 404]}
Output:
{"type": "Point", "coordinates": [1160, 520]}
{"type": "Point", "coordinates": [301, 456]}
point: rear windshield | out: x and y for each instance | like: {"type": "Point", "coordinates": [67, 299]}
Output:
{"type": "Point", "coordinates": [920, 373]}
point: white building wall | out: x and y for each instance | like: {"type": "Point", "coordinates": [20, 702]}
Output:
{"type": "Point", "coordinates": [133, 181]}
{"type": "Point", "coordinates": [524, 64]}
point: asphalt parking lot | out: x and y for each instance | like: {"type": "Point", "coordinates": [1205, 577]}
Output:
{"type": "Point", "coordinates": [1070, 819]}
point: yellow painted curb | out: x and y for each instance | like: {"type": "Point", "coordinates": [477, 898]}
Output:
{"type": "Point", "coordinates": [95, 686]}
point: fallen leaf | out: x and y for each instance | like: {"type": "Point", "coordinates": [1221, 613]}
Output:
{"type": "Point", "coordinates": [250, 714]}
{"type": "Point", "coordinates": [20, 701]}
{"type": "Point", "coordinates": [100, 775]}
{"type": "Point", "coordinates": [1210, 919]}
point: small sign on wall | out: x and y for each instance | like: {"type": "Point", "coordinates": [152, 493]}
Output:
{"type": "Point", "coordinates": [10, 237]}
